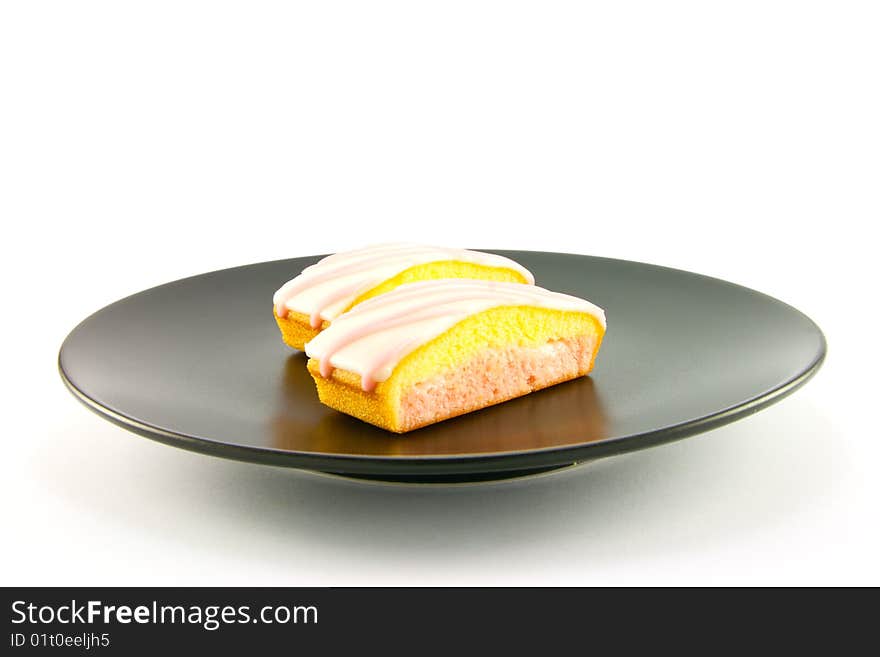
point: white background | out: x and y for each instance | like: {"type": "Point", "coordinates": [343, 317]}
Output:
{"type": "Point", "coordinates": [143, 142]}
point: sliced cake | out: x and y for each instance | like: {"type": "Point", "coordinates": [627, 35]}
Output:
{"type": "Point", "coordinates": [322, 292]}
{"type": "Point", "coordinates": [431, 350]}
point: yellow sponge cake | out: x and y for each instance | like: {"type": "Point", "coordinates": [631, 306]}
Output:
{"type": "Point", "coordinates": [431, 350]}
{"type": "Point", "coordinates": [307, 304]}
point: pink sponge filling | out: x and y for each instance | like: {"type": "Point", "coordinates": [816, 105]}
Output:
{"type": "Point", "coordinates": [493, 376]}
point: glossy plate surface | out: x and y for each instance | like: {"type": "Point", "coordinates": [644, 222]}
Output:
{"type": "Point", "coordinates": [199, 364]}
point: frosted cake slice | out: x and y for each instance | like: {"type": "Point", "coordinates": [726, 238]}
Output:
{"type": "Point", "coordinates": [432, 350]}
{"type": "Point", "coordinates": [308, 303]}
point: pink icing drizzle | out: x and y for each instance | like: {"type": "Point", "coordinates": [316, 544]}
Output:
{"type": "Point", "coordinates": [451, 300]}
{"type": "Point", "coordinates": [365, 265]}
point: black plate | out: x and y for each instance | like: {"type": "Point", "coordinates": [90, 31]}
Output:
{"type": "Point", "coordinates": [199, 364]}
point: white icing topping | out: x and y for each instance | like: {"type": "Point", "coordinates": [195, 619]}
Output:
{"type": "Point", "coordinates": [324, 290]}
{"type": "Point", "coordinates": [374, 336]}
